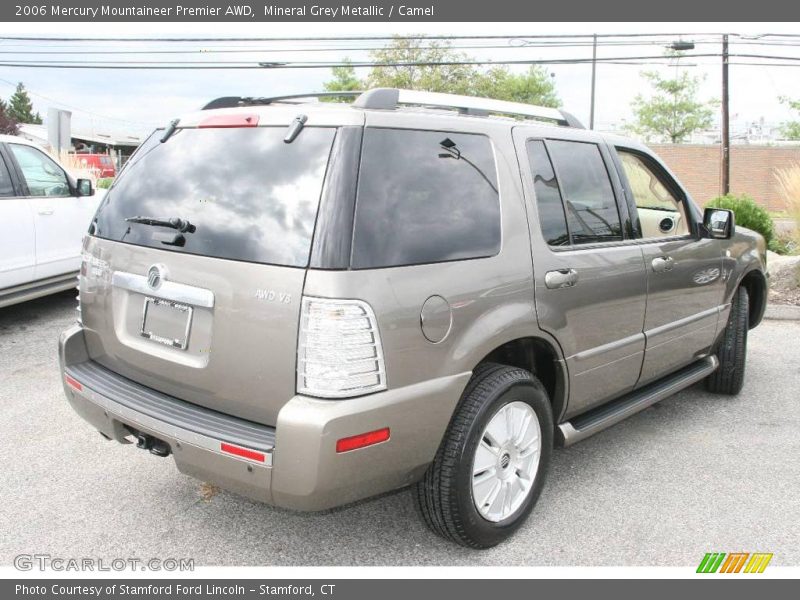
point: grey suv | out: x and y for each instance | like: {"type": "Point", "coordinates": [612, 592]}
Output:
{"type": "Point", "coordinates": [311, 303]}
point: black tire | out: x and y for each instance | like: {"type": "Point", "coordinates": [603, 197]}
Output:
{"type": "Point", "coordinates": [732, 349]}
{"type": "Point", "coordinates": [444, 496]}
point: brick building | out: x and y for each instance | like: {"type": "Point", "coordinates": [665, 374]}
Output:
{"type": "Point", "coordinates": [699, 169]}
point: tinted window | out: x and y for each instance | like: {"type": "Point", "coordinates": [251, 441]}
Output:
{"type": "Point", "coordinates": [6, 187]}
{"type": "Point", "coordinates": [423, 197]}
{"type": "Point", "coordinates": [552, 220]}
{"type": "Point", "coordinates": [249, 195]}
{"type": "Point", "coordinates": [589, 199]}
{"type": "Point", "coordinates": [42, 174]}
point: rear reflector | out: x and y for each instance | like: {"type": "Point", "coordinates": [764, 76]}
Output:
{"type": "Point", "coordinates": [362, 440]}
{"type": "Point", "coordinates": [243, 452]}
{"type": "Point", "coordinates": [73, 383]}
{"type": "Point", "coordinates": [234, 120]}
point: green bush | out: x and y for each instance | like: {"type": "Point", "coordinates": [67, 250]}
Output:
{"type": "Point", "coordinates": [104, 183]}
{"type": "Point", "coordinates": [748, 213]}
{"type": "Point", "coordinates": [783, 244]}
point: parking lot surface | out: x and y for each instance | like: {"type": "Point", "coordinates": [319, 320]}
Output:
{"type": "Point", "coordinates": [696, 473]}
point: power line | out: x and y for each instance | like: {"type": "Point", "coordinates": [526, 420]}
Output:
{"type": "Point", "coordinates": [344, 38]}
{"type": "Point", "coordinates": [511, 45]}
{"type": "Point", "coordinates": [198, 65]}
{"type": "Point", "coordinates": [97, 64]}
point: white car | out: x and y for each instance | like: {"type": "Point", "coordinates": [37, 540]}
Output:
{"type": "Point", "coordinates": [44, 214]}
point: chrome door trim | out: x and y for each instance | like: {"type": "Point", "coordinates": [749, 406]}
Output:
{"type": "Point", "coordinates": [168, 290]}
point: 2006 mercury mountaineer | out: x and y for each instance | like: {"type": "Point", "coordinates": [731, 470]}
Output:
{"type": "Point", "coordinates": [311, 303]}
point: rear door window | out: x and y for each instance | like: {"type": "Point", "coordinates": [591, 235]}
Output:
{"type": "Point", "coordinates": [589, 201]}
{"type": "Point", "coordinates": [425, 197]}
{"type": "Point", "coordinates": [249, 195]}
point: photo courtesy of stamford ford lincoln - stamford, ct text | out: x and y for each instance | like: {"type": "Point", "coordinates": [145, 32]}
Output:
{"type": "Point", "coordinates": [436, 299]}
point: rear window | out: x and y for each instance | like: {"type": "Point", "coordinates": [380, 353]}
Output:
{"type": "Point", "coordinates": [425, 197]}
{"type": "Point", "coordinates": [249, 195]}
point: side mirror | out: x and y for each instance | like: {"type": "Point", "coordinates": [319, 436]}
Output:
{"type": "Point", "coordinates": [719, 223]}
{"type": "Point", "coordinates": [85, 187]}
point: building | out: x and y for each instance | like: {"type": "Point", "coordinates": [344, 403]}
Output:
{"type": "Point", "coordinates": [118, 145]}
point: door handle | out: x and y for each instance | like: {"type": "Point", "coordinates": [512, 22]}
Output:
{"type": "Point", "coordinates": [46, 211]}
{"type": "Point", "coordinates": [663, 263]}
{"type": "Point", "coordinates": [562, 278]}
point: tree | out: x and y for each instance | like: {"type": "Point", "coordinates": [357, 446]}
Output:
{"type": "Point", "coordinates": [8, 125]}
{"type": "Point", "coordinates": [533, 87]}
{"type": "Point", "coordinates": [344, 80]}
{"type": "Point", "coordinates": [791, 129]}
{"type": "Point", "coordinates": [429, 75]}
{"type": "Point", "coordinates": [21, 108]}
{"type": "Point", "coordinates": [672, 111]}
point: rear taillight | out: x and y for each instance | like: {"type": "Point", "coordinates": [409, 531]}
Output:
{"type": "Point", "coordinates": [339, 352]}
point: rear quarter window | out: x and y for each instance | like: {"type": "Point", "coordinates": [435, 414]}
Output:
{"type": "Point", "coordinates": [425, 197]}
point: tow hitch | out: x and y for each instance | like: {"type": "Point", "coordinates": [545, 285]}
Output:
{"type": "Point", "coordinates": [156, 446]}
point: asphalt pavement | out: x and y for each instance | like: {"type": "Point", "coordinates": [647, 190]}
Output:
{"type": "Point", "coordinates": [696, 473]}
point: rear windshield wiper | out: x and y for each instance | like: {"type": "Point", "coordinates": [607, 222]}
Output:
{"type": "Point", "coordinates": [174, 223]}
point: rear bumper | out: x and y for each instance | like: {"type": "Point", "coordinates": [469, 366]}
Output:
{"type": "Point", "coordinates": [295, 464]}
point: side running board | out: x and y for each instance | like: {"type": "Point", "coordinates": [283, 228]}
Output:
{"type": "Point", "coordinates": [612, 413]}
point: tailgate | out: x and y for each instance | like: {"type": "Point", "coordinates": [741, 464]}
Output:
{"type": "Point", "coordinates": [194, 270]}
{"type": "Point", "coordinates": [215, 333]}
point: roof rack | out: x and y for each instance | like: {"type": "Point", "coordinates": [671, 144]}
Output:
{"type": "Point", "coordinates": [234, 101]}
{"type": "Point", "coordinates": [391, 99]}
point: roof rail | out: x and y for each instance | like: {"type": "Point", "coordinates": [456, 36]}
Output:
{"type": "Point", "coordinates": [233, 101]}
{"type": "Point", "coordinates": [391, 98]}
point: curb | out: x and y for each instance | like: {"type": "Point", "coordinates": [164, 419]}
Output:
{"type": "Point", "coordinates": [782, 312]}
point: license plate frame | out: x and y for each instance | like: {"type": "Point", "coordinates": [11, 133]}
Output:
{"type": "Point", "coordinates": [178, 343]}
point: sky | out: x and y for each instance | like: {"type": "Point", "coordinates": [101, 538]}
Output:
{"type": "Point", "coordinates": [131, 101]}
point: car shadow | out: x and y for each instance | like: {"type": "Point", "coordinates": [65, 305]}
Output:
{"type": "Point", "coordinates": [18, 317]}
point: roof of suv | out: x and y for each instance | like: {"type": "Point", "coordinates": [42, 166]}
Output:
{"type": "Point", "coordinates": [428, 104]}
{"type": "Point", "coordinates": [435, 110]}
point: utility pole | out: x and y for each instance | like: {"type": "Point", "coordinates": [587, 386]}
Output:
{"type": "Point", "coordinates": [594, 73]}
{"type": "Point", "coordinates": [726, 134]}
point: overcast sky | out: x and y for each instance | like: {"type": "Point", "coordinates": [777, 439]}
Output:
{"type": "Point", "coordinates": [136, 101]}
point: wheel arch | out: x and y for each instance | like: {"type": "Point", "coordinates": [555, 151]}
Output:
{"type": "Point", "coordinates": [542, 358]}
{"type": "Point", "coordinates": [755, 283]}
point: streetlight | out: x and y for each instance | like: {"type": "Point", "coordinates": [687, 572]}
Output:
{"type": "Point", "coordinates": [681, 46]}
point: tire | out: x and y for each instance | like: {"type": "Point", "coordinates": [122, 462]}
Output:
{"type": "Point", "coordinates": [444, 497]}
{"type": "Point", "coordinates": [732, 349]}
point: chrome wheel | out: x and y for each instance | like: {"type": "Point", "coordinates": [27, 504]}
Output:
{"type": "Point", "coordinates": [506, 461]}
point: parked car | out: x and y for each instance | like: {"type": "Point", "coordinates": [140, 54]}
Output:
{"type": "Point", "coordinates": [413, 289]}
{"type": "Point", "coordinates": [44, 214]}
{"type": "Point", "coordinates": [101, 165]}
